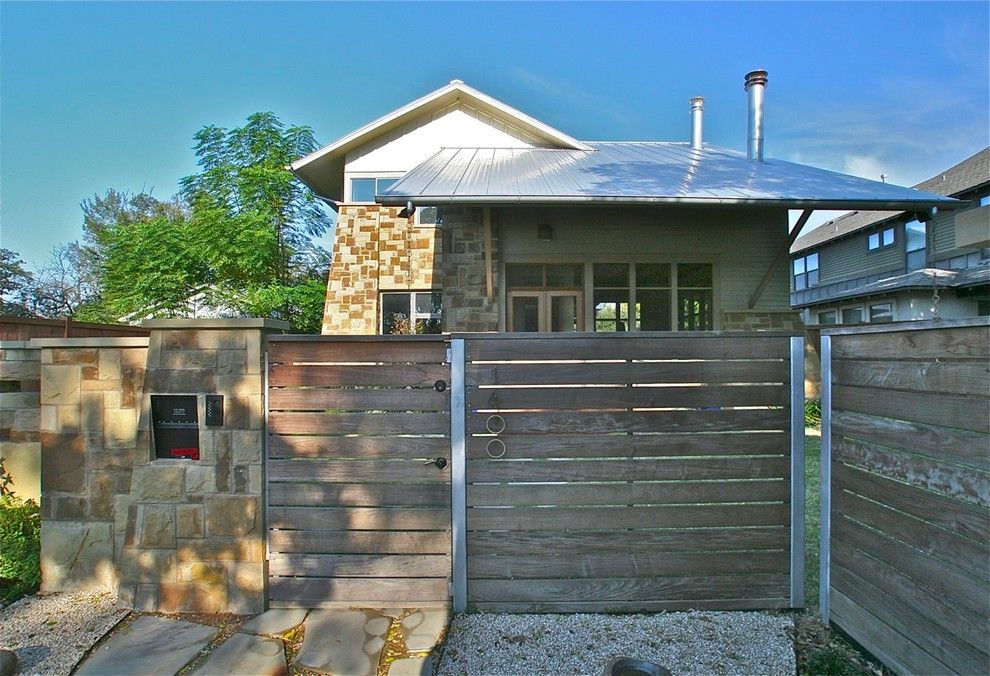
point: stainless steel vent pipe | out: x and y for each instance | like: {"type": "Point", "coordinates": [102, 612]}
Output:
{"type": "Point", "coordinates": [756, 84]}
{"type": "Point", "coordinates": [697, 105]}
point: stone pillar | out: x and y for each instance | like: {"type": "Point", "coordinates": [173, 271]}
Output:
{"type": "Point", "coordinates": [465, 302]}
{"type": "Point", "coordinates": [20, 444]}
{"type": "Point", "coordinates": [191, 532]}
{"type": "Point", "coordinates": [90, 399]}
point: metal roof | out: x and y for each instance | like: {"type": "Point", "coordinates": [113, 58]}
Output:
{"type": "Point", "coordinates": [640, 172]}
{"type": "Point", "coordinates": [969, 174]}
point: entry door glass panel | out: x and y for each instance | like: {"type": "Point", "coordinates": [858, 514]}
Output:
{"type": "Point", "coordinates": [564, 314]}
{"type": "Point", "coordinates": [525, 313]}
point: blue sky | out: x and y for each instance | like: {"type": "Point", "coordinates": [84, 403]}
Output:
{"type": "Point", "coordinates": [94, 96]}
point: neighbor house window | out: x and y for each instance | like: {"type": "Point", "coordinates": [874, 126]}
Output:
{"type": "Point", "coordinates": [882, 312]}
{"type": "Point", "coordinates": [852, 315]}
{"type": "Point", "coordinates": [806, 272]}
{"type": "Point", "coordinates": [984, 200]}
{"type": "Point", "coordinates": [410, 312]}
{"type": "Point", "coordinates": [828, 317]}
{"type": "Point", "coordinates": [916, 245]}
{"type": "Point", "coordinates": [365, 189]}
{"type": "Point", "coordinates": [653, 296]}
{"type": "Point", "coordinates": [881, 239]}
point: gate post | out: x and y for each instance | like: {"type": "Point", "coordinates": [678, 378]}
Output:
{"type": "Point", "coordinates": [825, 554]}
{"type": "Point", "coordinates": [797, 471]}
{"type": "Point", "coordinates": [458, 475]}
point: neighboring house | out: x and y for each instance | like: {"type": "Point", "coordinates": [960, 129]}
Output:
{"type": "Point", "coordinates": [876, 266]}
{"type": "Point", "coordinates": [458, 212]}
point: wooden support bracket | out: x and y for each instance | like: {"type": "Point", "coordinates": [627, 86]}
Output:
{"type": "Point", "coordinates": [781, 255]}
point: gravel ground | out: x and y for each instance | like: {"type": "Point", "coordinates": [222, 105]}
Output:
{"type": "Point", "coordinates": [51, 632]}
{"type": "Point", "coordinates": [686, 643]}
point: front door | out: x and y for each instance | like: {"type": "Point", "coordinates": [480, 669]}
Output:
{"type": "Point", "coordinates": [545, 311]}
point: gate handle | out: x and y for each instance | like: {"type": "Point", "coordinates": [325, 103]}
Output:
{"type": "Point", "coordinates": [439, 463]}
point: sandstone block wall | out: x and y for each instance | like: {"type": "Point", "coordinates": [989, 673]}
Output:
{"type": "Point", "coordinates": [376, 250]}
{"type": "Point", "coordinates": [20, 442]}
{"type": "Point", "coordinates": [465, 293]}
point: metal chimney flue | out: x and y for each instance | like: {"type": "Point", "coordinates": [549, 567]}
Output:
{"type": "Point", "coordinates": [756, 84]}
{"type": "Point", "coordinates": [697, 106]}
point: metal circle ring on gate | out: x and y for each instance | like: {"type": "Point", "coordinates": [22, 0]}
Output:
{"type": "Point", "coordinates": [495, 421]}
{"type": "Point", "coordinates": [495, 455]}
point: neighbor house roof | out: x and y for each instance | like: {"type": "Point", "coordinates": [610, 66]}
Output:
{"type": "Point", "coordinates": [321, 169]}
{"type": "Point", "coordinates": [969, 174]}
{"type": "Point", "coordinates": [640, 172]}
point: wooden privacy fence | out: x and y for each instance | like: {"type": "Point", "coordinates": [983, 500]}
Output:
{"type": "Point", "coordinates": [633, 473]}
{"type": "Point", "coordinates": [358, 508]}
{"type": "Point", "coordinates": [906, 492]}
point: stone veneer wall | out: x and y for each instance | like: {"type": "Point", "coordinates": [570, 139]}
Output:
{"type": "Point", "coordinates": [169, 535]}
{"type": "Point", "coordinates": [465, 302]}
{"type": "Point", "coordinates": [376, 250]}
{"type": "Point", "coordinates": [20, 443]}
{"type": "Point", "coordinates": [787, 320]}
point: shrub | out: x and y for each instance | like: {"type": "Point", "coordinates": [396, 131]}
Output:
{"type": "Point", "coordinates": [20, 543]}
{"type": "Point", "coordinates": [813, 412]}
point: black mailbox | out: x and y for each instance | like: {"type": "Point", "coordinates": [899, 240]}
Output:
{"type": "Point", "coordinates": [175, 425]}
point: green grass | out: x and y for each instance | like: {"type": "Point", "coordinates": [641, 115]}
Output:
{"type": "Point", "coordinates": [812, 512]}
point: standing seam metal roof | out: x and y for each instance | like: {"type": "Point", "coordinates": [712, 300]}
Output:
{"type": "Point", "coordinates": [658, 172]}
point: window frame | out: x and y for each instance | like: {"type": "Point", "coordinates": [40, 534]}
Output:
{"type": "Point", "coordinates": [835, 317]}
{"type": "Point", "coordinates": [387, 176]}
{"type": "Point", "coordinates": [862, 314]}
{"type": "Point", "coordinates": [414, 315]}
{"type": "Point", "coordinates": [805, 275]}
{"type": "Point", "coordinates": [890, 311]}
{"type": "Point", "coordinates": [881, 236]}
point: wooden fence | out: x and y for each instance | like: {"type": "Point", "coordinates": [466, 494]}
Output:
{"type": "Point", "coordinates": [906, 492]}
{"type": "Point", "coordinates": [633, 473]}
{"type": "Point", "coordinates": [26, 328]}
{"type": "Point", "coordinates": [358, 506]}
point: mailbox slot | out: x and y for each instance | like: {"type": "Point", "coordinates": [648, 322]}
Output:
{"type": "Point", "coordinates": [175, 426]}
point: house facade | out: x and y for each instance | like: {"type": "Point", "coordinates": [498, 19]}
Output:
{"type": "Point", "coordinates": [458, 212]}
{"type": "Point", "coordinates": [876, 266]}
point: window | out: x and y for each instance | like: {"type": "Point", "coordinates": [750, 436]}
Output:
{"type": "Point", "coordinates": [545, 297]}
{"type": "Point", "coordinates": [882, 312]}
{"type": "Point", "coordinates": [365, 189]}
{"type": "Point", "coordinates": [984, 200]}
{"type": "Point", "coordinates": [428, 216]}
{"type": "Point", "coordinates": [828, 317]}
{"type": "Point", "coordinates": [806, 272]}
{"type": "Point", "coordinates": [415, 312]}
{"type": "Point", "coordinates": [852, 315]}
{"type": "Point", "coordinates": [653, 297]}
{"type": "Point", "coordinates": [916, 245]}
{"type": "Point", "coordinates": [878, 240]}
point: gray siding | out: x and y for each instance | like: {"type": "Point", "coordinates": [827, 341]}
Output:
{"type": "Point", "coordinates": [943, 234]}
{"type": "Point", "coordinates": [848, 258]}
{"type": "Point", "coordinates": [740, 243]}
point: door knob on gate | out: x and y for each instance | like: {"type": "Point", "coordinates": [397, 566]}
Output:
{"type": "Point", "coordinates": [439, 463]}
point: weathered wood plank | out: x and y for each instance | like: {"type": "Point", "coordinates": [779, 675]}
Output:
{"type": "Point", "coordinates": [942, 443]}
{"type": "Point", "coordinates": [625, 564]}
{"type": "Point", "coordinates": [280, 352]}
{"type": "Point", "coordinates": [935, 625]}
{"type": "Point", "coordinates": [358, 423]}
{"type": "Point", "coordinates": [358, 495]}
{"type": "Point", "coordinates": [967, 413]}
{"type": "Point", "coordinates": [894, 650]}
{"type": "Point", "coordinates": [633, 606]}
{"type": "Point", "coordinates": [405, 399]}
{"type": "Point", "coordinates": [623, 373]}
{"type": "Point", "coordinates": [357, 590]}
{"type": "Point", "coordinates": [358, 518]}
{"type": "Point", "coordinates": [964, 518]}
{"type": "Point", "coordinates": [351, 471]}
{"type": "Point", "coordinates": [959, 343]}
{"type": "Point", "coordinates": [567, 543]}
{"type": "Point", "coordinates": [942, 577]}
{"type": "Point", "coordinates": [606, 518]}
{"type": "Point", "coordinates": [389, 375]}
{"type": "Point", "coordinates": [639, 493]}
{"type": "Point", "coordinates": [964, 483]}
{"type": "Point", "coordinates": [634, 445]}
{"type": "Point", "coordinates": [644, 421]}
{"type": "Point", "coordinates": [652, 469]}
{"type": "Point", "coordinates": [963, 378]}
{"type": "Point", "coordinates": [630, 589]}
{"type": "Point", "coordinates": [358, 565]}
{"type": "Point", "coordinates": [963, 552]}
{"type": "Point", "coordinates": [629, 347]}
{"type": "Point", "coordinates": [617, 398]}
{"type": "Point", "coordinates": [357, 447]}
{"type": "Point", "coordinates": [359, 542]}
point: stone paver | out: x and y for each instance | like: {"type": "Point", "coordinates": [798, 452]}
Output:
{"type": "Point", "coordinates": [336, 641]}
{"type": "Point", "coordinates": [422, 628]}
{"type": "Point", "coordinates": [149, 645]}
{"type": "Point", "coordinates": [412, 666]}
{"type": "Point", "coordinates": [275, 621]}
{"type": "Point", "coordinates": [246, 654]}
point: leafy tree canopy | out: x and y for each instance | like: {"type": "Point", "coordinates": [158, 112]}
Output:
{"type": "Point", "coordinates": [14, 279]}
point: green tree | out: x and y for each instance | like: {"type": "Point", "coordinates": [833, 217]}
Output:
{"type": "Point", "coordinates": [14, 281]}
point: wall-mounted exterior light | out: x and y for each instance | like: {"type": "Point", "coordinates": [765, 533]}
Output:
{"type": "Point", "coordinates": [544, 233]}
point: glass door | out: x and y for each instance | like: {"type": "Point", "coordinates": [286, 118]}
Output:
{"type": "Point", "coordinates": [525, 312]}
{"type": "Point", "coordinates": [545, 311]}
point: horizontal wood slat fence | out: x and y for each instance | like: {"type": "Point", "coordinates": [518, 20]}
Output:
{"type": "Point", "coordinates": [358, 513]}
{"type": "Point", "coordinates": [906, 493]}
{"type": "Point", "coordinates": [627, 473]}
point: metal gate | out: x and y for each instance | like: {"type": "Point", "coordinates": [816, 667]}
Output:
{"type": "Point", "coordinates": [358, 486]}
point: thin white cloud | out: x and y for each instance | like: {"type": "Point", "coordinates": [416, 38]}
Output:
{"type": "Point", "coordinates": [574, 94]}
